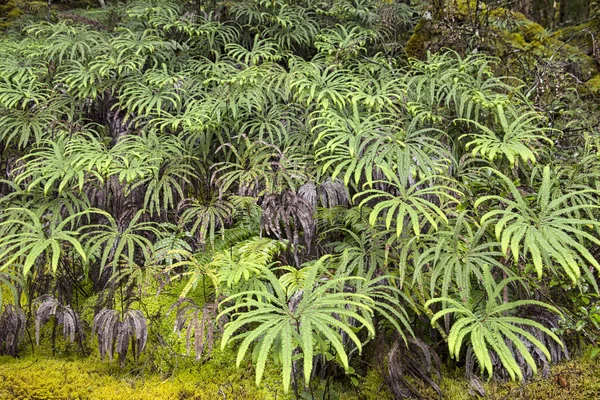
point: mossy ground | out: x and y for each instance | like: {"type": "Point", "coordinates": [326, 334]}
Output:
{"type": "Point", "coordinates": [578, 379]}
{"type": "Point", "coordinates": [42, 378]}
{"type": "Point", "coordinates": [45, 378]}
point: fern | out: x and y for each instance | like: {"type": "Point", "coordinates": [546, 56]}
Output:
{"type": "Point", "coordinates": [199, 324]}
{"type": "Point", "coordinates": [115, 241]}
{"type": "Point", "coordinates": [205, 218]}
{"type": "Point", "coordinates": [517, 135]}
{"type": "Point", "coordinates": [10, 282]}
{"type": "Point", "coordinates": [487, 326]}
{"type": "Point", "coordinates": [12, 329]}
{"type": "Point", "coordinates": [282, 327]}
{"type": "Point", "coordinates": [49, 306]}
{"type": "Point", "coordinates": [115, 330]}
{"type": "Point", "coordinates": [27, 236]}
{"type": "Point", "coordinates": [410, 204]}
{"type": "Point", "coordinates": [546, 228]}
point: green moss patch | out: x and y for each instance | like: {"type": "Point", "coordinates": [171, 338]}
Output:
{"type": "Point", "coordinates": [53, 379]}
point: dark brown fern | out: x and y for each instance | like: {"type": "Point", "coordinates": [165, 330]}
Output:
{"type": "Point", "coordinates": [48, 306]}
{"type": "Point", "coordinates": [408, 367]}
{"type": "Point", "coordinates": [287, 215]}
{"type": "Point", "coordinates": [200, 323]}
{"type": "Point", "coordinates": [327, 194]}
{"type": "Point", "coordinates": [115, 333]}
{"type": "Point", "coordinates": [12, 329]}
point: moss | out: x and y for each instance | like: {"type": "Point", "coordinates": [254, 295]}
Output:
{"type": "Point", "coordinates": [465, 8]}
{"type": "Point", "coordinates": [593, 85]}
{"type": "Point", "coordinates": [372, 387]}
{"type": "Point", "coordinates": [416, 47]}
{"type": "Point", "coordinates": [533, 31]}
{"type": "Point", "coordinates": [8, 13]}
{"type": "Point", "coordinates": [44, 378]}
{"type": "Point", "coordinates": [14, 13]}
{"type": "Point", "coordinates": [455, 389]}
{"type": "Point", "coordinates": [574, 380]}
{"type": "Point", "coordinates": [515, 31]}
{"type": "Point", "coordinates": [508, 31]}
{"type": "Point", "coordinates": [571, 33]}
{"type": "Point", "coordinates": [73, 378]}
{"type": "Point", "coordinates": [429, 34]}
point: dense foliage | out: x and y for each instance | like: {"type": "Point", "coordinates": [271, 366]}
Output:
{"type": "Point", "coordinates": [316, 195]}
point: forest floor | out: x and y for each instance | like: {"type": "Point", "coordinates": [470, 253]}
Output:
{"type": "Point", "coordinates": [45, 378]}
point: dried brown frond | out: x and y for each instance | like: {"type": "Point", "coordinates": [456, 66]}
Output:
{"type": "Point", "coordinates": [328, 194]}
{"type": "Point", "coordinates": [115, 333]}
{"type": "Point", "coordinates": [49, 306]}
{"type": "Point", "coordinates": [12, 329]}
{"type": "Point", "coordinates": [408, 367]}
{"type": "Point", "coordinates": [201, 323]}
{"type": "Point", "coordinates": [287, 215]}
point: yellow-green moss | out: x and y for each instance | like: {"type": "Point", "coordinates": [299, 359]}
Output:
{"type": "Point", "coordinates": [9, 12]}
{"type": "Point", "coordinates": [534, 39]}
{"type": "Point", "coordinates": [14, 13]}
{"type": "Point", "coordinates": [593, 85]}
{"type": "Point", "coordinates": [574, 380]}
{"type": "Point", "coordinates": [508, 31]}
{"type": "Point", "coordinates": [578, 379]}
{"type": "Point", "coordinates": [372, 387]}
{"type": "Point", "coordinates": [416, 45]}
{"type": "Point", "coordinates": [463, 8]}
{"type": "Point", "coordinates": [572, 33]}
{"type": "Point", "coordinates": [43, 378]}
{"type": "Point", "coordinates": [54, 379]}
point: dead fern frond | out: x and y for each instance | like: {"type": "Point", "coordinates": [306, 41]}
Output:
{"type": "Point", "coordinates": [407, 367]}
{"type": "Point", "coordinates": [328, 194]}
{"type": "Point", "coordinates": [286, 215]}
{"type": "Point", "coordinates": [115, 333]}
{"type": "Point", "coordinates": [12, 329]}
{"type": "Point", "coordinates": [49, 306]}
{"type": "Point", "coordinates": [201, 323]}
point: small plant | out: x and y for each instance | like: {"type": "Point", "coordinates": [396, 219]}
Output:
{"type": "Point", "coordinates": [319, 313]}
{"type": "Point", "coordinates": [549, 230]}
